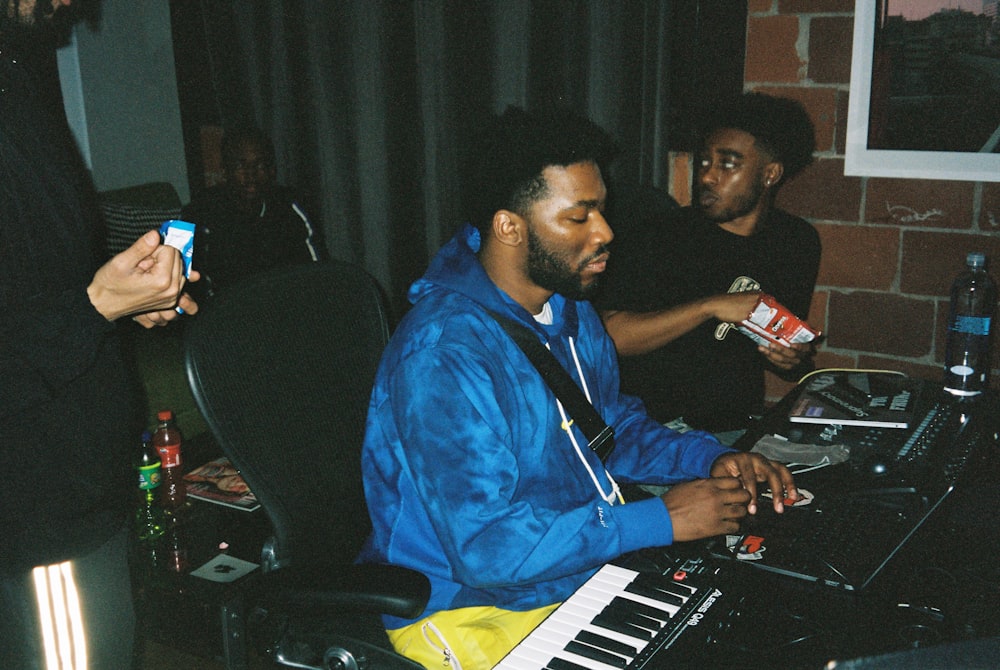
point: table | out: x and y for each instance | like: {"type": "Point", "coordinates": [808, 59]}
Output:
{"type": "Point", "coordinates": [196, 615]}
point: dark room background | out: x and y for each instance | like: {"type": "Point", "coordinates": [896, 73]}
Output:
{"type": "Point", "coordinates": [371, 103]}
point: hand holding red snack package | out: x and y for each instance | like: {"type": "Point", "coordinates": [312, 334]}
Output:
{"type": "Point", "coordinates": [770, 321]}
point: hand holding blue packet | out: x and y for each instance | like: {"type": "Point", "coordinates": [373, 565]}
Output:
{"type": "Point", "coordinates": [180, 235]}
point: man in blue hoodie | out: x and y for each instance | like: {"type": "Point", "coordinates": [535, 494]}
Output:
{"type": "Point", "coordinates": [474, 473]}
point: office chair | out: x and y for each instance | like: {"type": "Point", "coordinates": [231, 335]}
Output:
{"type": "Point", "coordinates": [282, 367]}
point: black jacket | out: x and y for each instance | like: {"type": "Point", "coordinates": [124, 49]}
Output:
{"type": "Point", "coordinates": [67, 411]}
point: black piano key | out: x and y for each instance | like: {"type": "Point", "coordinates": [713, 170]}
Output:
{"type": "Point", "coordinates": [653, 592]}
{"type": "Point", "coordinates": [595, 654]}
{"type": "Point", "coordinates": [627, 605]}
{"type": "Point", "coordinates": [634, 620]}
{"type": "Point", "coordinates": [562, 664]}
{"type": "Point", "coordinates": [595, 640]}
{"type": "Point", "coordinates": [611, 621]}
{"type": "Point", "coordinates": [682, 591]}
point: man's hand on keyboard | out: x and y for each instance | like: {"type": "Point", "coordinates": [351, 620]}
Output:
{"type": "Point", "coordinates": [706, 507]}
{"type": "Point", "coordinates": [751, 469]}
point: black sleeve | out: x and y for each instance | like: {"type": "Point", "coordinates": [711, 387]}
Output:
{"type": "Point", "coordinates": [45, 342]}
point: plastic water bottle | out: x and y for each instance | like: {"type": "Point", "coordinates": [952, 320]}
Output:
{"type": "Point", "coordinates": [149, 520]}
{"type": "Point", "coordinates": [167, 440]}
{"type": "Point", "coordinates": [970, 322]}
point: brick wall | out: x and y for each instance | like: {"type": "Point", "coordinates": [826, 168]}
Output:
{"type": "Point", "coordinates": [881, 296]}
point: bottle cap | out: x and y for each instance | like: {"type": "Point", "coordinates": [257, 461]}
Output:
{"type": "Point", "coordinates": [146, 436]}
{"type": "Point", "coordinates": [976, 259]}
{"type": "Point", "coordinates": [165, 415]}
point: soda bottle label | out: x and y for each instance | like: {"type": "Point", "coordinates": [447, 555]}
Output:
{"type": "Point", "coordinates": [170, 455]}
{"type": "Point", "coordinates": [149, 476]}
{"type": "Point", "coordinates": [972, 325]}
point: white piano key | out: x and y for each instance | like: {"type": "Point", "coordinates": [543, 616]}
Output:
{"type": "Point", "coordinates": [547, 651]}
{"type": "Point", "coordinates": [524, 658]}
{"type": "Point", "coordinates": [572, 626]}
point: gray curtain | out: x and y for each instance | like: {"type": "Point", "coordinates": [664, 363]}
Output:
{"type": "Point", "coordinates": [371, 103]}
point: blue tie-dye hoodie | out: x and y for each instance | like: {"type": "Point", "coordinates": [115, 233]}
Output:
{"type": "Point", "coordinates": [469, 475]}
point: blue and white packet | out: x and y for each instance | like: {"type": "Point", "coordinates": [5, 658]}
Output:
{"type": "Point", "coordinates": [180, 235]}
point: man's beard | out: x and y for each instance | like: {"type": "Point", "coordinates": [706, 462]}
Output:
{"type": "Point", "coordinates": [741, 206]}
{"type": "Point", "coordinates": [551, 271]}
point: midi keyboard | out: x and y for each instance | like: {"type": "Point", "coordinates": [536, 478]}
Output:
{"type": "Point", "coordinates": [619, 618]}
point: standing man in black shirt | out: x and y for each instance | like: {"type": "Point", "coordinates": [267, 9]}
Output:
{"type": "Point", "coordinates": [68, 415]}
{"type": "Point", "coordinates": [674, 287]}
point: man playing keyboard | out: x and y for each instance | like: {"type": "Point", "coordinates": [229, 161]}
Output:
{"type": "Point", "coordinates": [474, 473]}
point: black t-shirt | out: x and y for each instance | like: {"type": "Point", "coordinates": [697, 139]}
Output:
{"type": "Point", "coordinates": [231, 246]}
{"type": "Point", "coordinates": [714, 383]}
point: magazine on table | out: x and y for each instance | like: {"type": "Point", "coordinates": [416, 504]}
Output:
{"type": "Point", "coordinates": [219, 482]}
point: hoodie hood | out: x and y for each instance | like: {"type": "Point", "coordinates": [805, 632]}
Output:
{"type": "Point", "coordinates": [456, 268]}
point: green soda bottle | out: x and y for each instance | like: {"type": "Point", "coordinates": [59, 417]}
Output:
{"type": "Point", "coordinates": [149, 517]}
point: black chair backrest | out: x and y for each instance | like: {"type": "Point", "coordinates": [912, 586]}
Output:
{"type": "Point", "coordinates": [282, 368]}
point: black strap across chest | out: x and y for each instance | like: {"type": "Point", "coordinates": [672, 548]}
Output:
{"type": "Point", "coordinates": [600, 436]}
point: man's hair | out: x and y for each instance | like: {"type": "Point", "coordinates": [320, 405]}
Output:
{"type": "Point", "coordinates": [780, 126]}
{"type": "Point", "coordinates": [233, 138]}
{"type": "Point", "coordinates": [505, 170]}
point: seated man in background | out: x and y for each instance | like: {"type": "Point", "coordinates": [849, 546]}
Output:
{"type": "Point", "coordinates": [249, 224]}
{"type": "Point", "coordinates": [675, 285]}
{"type": "Point", "coordinates": [473, 473]}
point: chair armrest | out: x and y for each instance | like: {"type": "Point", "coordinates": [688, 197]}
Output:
{"type": "Point", "coordinates": [380, 588]}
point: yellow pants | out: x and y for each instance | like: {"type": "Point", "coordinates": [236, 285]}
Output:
{"type": "Point", "coordinates": [470, 638]}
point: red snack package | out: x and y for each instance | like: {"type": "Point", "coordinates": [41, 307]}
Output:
{"type": "Point", "coordinates": [770, 321]}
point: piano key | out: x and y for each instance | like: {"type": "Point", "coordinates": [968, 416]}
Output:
{"type": "Point", "coordinates": [611, 622]}
{"type": "Point", "coordinates": [548, 652]}
{"type": "Point", "coordinates": [595, 654]}
{"type": "Point", "coordinates": [591, 607]}
{"type": "Point", "coordinates": [523, 657]}
{"type": "Point", "coordinates": [604, 642]}
{"type": "Point", "coordinates": [666, 608]}
{"type": "Point", "coordinates": [562, 664]}
{"type": "Point", "coordinates": [643, 588]}
{"type": "Point", "coordinates": [572, 623]}
{"type": "Point", "coordinates": [636, 607]}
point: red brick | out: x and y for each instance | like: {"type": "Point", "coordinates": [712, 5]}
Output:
{"type": "Point", "coordinates": [829, 359]}
{"type": "Point", "coordinates": [680, 177]}
{"type": "Point", "coordinates": [757, 6]}
{"type": "Point", "coordinates": [771, 49]}
{"type": "Point", "coordinates": [920, 202]}
{"type": "Point", "coordinates": [989, 216]}
{"type": "Point", "coordinates": [858, 256]}
{"type": "Point", "coordinates": [830, 39]}
{"type": "Point", "coordinates": [823, 192]}
{"type": "Point", "coordinates": [820, 105]}
{"type": "Point", "coordinates": [776, 388]}
{"type": "Point", "coordinates": [815, 6]}
{"type": "Point", "coordinates": [941, 329]}
{"type": "Point", "coordinates": [817, 310]}
{"type": "Point", "coordinates": [931, 260]}
{"type": "Point", "coordinates": [840, 139]}
{"type": "Point", "coordinates": [881, 323]}
{"type": "Point", "coordinates": [920, 370]}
